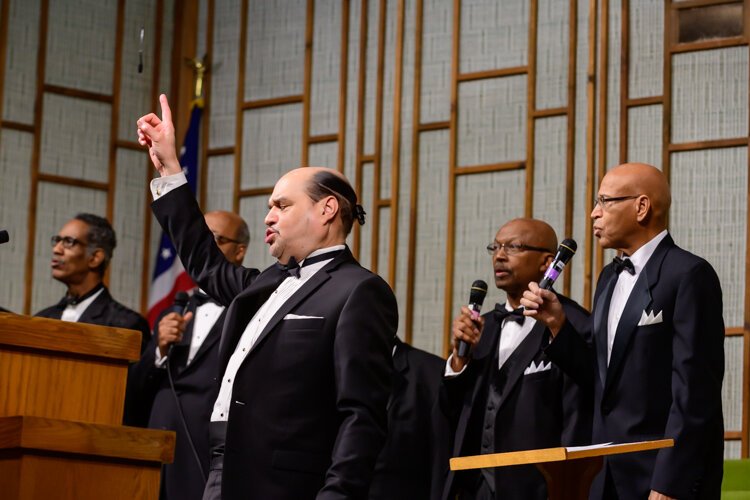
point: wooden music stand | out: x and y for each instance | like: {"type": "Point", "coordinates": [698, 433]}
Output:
{"type": "Point", "coordinates": [62, 390]}
{"type": "Point", "coordinates": [568, 471]}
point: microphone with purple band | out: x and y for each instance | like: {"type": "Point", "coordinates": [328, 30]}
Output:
{"type": "Point", "coordinates": [565, 252]}
{"type": "Point", "coordinates": [476, 299]}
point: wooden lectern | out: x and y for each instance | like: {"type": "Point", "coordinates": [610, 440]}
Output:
{"type": "Point", "coordinates": [62, 389]}
{"type": "Point", "coordinates": [568, 471]}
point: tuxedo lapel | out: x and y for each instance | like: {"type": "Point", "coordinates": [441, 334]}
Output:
{"type": "Point", "coordinates": [521, 357]}
{"type": "Point", "coordinates": [213, 336]}
{"type": "Point", "coordinates": [640, 300]}
{"type": "Point", "coordinates": [401, 367]}
{"type": "Point", "coordinates": [96, 309]}
{"type": "Point", "coordinates": [601, 313]}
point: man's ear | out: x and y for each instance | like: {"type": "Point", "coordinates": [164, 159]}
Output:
{"type": "Point", "coordinates": [546, 262]}
{"type": "Point", "coordinates": [329, 207]}
{"type": "Point", "coordinates": [96, 258]}
{"type": "Point", "coordinates": [643, 208]}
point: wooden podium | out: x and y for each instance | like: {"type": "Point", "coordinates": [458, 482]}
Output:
{"type": "Point", "coordinates": [62, 389]}
{"type": "Point", "coordinates": [568, 471]}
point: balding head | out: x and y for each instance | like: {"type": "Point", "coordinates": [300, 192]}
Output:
{"type": "Point", "coordinates": [231, 234]}
{"type": "Point", "coordinates": [528, 248]}
{"type": "Point", "coordinates": [640, 213]}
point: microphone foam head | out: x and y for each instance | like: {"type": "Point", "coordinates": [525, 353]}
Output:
{"type": "Point", "coordinates": [478, 292]}
{"type": "Point", "coordinates": [567, 250]}
{"type": "Point", "coordinates": [181, 298]}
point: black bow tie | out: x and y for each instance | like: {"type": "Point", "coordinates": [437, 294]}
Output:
{"type": "Point", "coordinates": [71, 300]}
{"type": "Point", "coordinates": [502, 313]}
{"type": "Point", "coordinates": [201, 298]}
{"type": "Point", "coordinates": [293, 267]}
{"type": "Point", "coordinates": [623, 265]}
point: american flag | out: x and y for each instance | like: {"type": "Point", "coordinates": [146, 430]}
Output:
{"type": "Point", "coordinates": [169, 275]}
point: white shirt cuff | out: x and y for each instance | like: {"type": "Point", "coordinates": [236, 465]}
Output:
{"type": "Point", "coordinates": [449, 372]}
{"type": "Point", "coordinates": [162, 185]}
{"type": "Point", "coordinates": [160, 361]}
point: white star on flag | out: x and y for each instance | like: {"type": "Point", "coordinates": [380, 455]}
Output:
{"type": "Point", "coordinates": [166, 253]}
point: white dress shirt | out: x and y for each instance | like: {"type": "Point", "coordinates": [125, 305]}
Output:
{"type": "Point", "coordinates": [73, 312]}
{"type": "Point", "coordinates": [162, 185]}
{"type": "Point", "coordinates": [624, 286]}
{"type": "Point", "coordinates": [511, 336]}
{"type": "Point", "coordinates": [285, 290]}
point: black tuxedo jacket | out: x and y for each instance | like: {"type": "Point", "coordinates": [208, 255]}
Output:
{"type": "Point", "coordinates": [538, 410]}
{"type": "Point", "coordinates": [308, 407]}
{"type": "Point", "coordinates": [414, 461]}
{"type": "Point", "coordinates": [663, 380]}
{"type": "Point", "coordinates": [196, 387]}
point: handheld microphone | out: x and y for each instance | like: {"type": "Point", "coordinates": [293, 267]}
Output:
{"type": "Point", "coordinates": [181, 300]}
{"type": "Point", "coordinates": [476, 299]}
{"type": "Point", "coordinates": [565, 252]}
{"type": "Point", "coordinates": [4, 238]}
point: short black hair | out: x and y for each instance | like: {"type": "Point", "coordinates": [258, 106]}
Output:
{"type": "Point", "coordinates": [327, 183]}
{"type": "Point", "coordinates": [100, 235]}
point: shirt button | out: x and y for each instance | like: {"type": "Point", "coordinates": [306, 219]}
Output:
{"type": "Point", "coordinates": [229, 380]}
{"type": "Point", "coordinates": [222, 415]}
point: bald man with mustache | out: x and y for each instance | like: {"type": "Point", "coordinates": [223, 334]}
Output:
{"type": "Point", "coordinates": [657, 357]}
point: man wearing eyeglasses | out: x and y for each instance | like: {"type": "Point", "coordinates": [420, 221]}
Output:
{"type": "Point", "coordinates": [506, 395]}
{"type": "Point", "coordinates": [193, 364]}
{"type": "Point", "coordinates": [81, 252]}
{"type": "Point", "coordinates": [656, 361]}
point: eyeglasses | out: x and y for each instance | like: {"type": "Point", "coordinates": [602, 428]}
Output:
{"type": "Point", "coordinates": [606, 201]}
{"type": "Point", "coordinates": [223, 240]}
{"type": "Point", "coordinates": [67, 241]}
{"type": "Point", "coordinates": [513, 248]}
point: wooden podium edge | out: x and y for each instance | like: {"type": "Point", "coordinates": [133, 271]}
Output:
{"type": "Point", "coordinates": [74, 338]}
{"type": "Point", "coordinates": [551, 455]}
{"type": "Point", "coordinates": [96, 440]}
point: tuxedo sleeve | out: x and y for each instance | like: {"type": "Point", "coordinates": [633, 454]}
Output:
{"type": "Point", "coordinates": [363, 370]}
{"type": "Point", "coordinates": [181, 218]}
{"type": "Point", "coordinates": [574, 355]}
{"type": "Point", "coordinates": [694, 420]}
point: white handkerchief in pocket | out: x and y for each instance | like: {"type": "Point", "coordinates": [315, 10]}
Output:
{"type": "Point", "coordinates": [650, 318]}
{"type": "Point", "coordinates": [296, 316]}
{"type": "Point", "coordinates": [534, 368]}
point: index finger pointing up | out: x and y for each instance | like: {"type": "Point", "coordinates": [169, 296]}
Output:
{"type": "Point", "coordinates": [166, 113]}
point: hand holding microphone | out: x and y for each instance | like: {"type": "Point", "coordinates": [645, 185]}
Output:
{"type": "Point", "coordinates": [542, 304]}
{"type": "Point", "coordinates": [468, 325]}
{"type": "Point", "coordinates": [172, 325]}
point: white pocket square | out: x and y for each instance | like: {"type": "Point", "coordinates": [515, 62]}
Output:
{"type": "Point", "coordinates": [296, 316]}
{"type": "Point", "coordinates": [534, 368]}
{"type": "Point", "coordinates": [650, 319]}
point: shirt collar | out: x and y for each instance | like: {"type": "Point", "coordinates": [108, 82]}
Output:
{"type": "Point", "coordinates": [324, 250]}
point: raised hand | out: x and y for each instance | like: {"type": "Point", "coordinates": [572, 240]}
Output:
{"type": "Point", "coordinates": [544, 306]}
{"type": "Point", "coordinates": [158, 135]}
{"type": "Point", "coordinates": [170, 330]}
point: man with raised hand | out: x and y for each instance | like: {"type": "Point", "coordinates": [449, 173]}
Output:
{"type": "Point", "coordinates": [305, 353]}
{"type": "Point", "coordinates": [657, 357]}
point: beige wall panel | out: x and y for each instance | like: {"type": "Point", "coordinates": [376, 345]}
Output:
{"type": "Point", "coordinates": [552, 54]}
{"type": "Point", "coordinates": [429, 272]}
{"type": "Point", "coordinates": [254, 209]}
{"type": "Point", "coordinates": [613, 84]}
{"type": "Point", "coordinates": [709, 217]}
{"type": "Point", "coordinates": [709, 94]}
{"type": "Point", "coordinates": [645, 135]}
{"type": "Point", "coordinates": [57, 205]}
{"type": "Point", "coordinates": [275, 49]}
{"type": "Point", "coordinates": [492, 121]}
{"type": "Point", "coordinates": [732, 449]}
{"type": "Point", "coordinates": [384, 242]}
{"type": "Point", "coordinates": [581, 222]}
{"type": "Point", "coordinates": [550, 173]}
{"type": "Point", "coordinates": [20, 62]}
{"type": "Point", "coordinates": [436, 63]}
{"type": "Point", "coordinates": [129, 206]}
{"type": "Point", "coordinates": [200, 42]}
{"type": "Point", "coordinates": [352, 92]}
{"type": "Point", "coordinates": [81, 44]}
{"type": "Point", "coordinates": [646, 76]}
{"type": "Point", "coordinates": [224, 74]}
{"type": "Point", "coordinates": [271, 142]}
{"type": "Point", "coordinates": [135, 88]}
{"type": "Point", "coordinates": [371, 74]}
{"type": "Point", "coordinates": [166, 30]}
{"type": "Point", "coordinates": [65, 149]}
{"type": "Point", "coordinates": [493, 34]}
{"type": "Point", "coordinates": [326, 68]}
{"type": "Point", "coordinates": [15, 161]}
{"type": "Point", "coordinates": [368, 202]}
{"type": "Point", "coordinates": [389, 91]}
{"type": "Point", "coordinates": [324, 154]}
{"type": "Point", "coordinates": [220, 183]}
{"type": "Point", "coordinates": [484, 202]}
{"type": "Point", "coordinates": [732, 388]}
